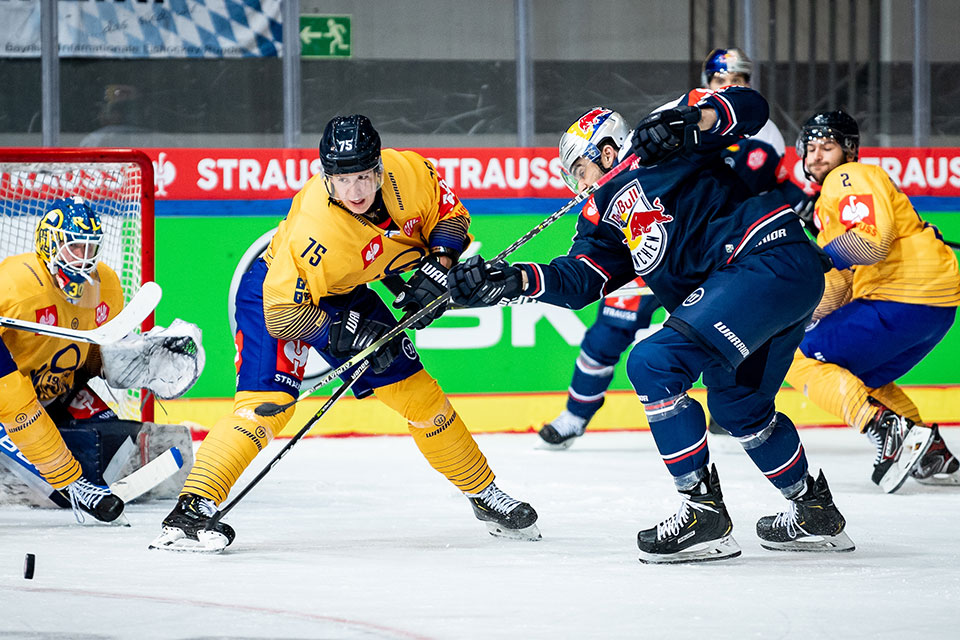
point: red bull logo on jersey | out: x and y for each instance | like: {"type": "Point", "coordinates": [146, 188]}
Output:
{"type": "Point", "coordinates": [642, 224]}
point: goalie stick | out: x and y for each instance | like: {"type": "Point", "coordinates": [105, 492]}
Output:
{"type": "Point", "coordinates": [272, 409]}
{"type": "Point", "coordinates": [129, 318]}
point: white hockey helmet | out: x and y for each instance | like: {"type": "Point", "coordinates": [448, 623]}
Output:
{"type": "Point", "coordinates": [586, 135]}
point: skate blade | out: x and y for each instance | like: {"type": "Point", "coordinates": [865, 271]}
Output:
{"type": "Point", "coordinates": [837, 543]}
{"type": "Point", "coordinates": [941, 479]}
{"type": "Point", "coordinates": [175, 540]}
{"type": "Point", "coordinates": [915, 445]}
{"type": "Point", "coordinates": [531, 533]}
{"type": "Point", "coordinates": [563, 446]}
{"type": "Point", "coordinates": [725, 547]}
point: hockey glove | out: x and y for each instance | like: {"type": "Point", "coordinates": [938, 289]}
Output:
{"type": "Point", "coordinates": [165, 361]}
{"type": "Point", "coordinates": [663, 134]}
{"type": "Point", "coordinates": [477, 283]}
{"type": "Point", "coordinates": [426, 285]}
{"type": "Point", "coordinates": [351, 333]}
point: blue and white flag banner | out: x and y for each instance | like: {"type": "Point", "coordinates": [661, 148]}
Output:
{"type": "Point", "coordinates": [147, 29]}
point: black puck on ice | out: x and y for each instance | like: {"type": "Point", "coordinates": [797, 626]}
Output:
{"type": "Point", "coordinates": [28, 564]}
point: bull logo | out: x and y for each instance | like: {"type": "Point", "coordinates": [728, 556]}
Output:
{"type": "Point", "coordinates": [641, 221]}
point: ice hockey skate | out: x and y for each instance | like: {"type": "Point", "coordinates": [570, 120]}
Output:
{"type": "Point", "coordinates": [937, 466]}
{"type": "Point", "coordinates": [698, 532]}
{"type": "Point", "coordinates": [98, 501]}
{"type": "Point", "coordinates": [812, 523]}
{"type": "Point", "coordinates": [184, 529]}
{"type": "Point", "coordinates": [562, 431]}
{"type": "Point", "coordinates": [504, 516]}
{"type": "Point", "coordinates": [900, 445]}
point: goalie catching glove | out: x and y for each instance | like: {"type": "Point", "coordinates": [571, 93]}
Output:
{"type": "Point", "coordinates": [167, 361]}
{"type": "Point", "coordinates": [477, 283]}
{"type": "Point", "coordinates": [351, 333]}
{"type": "Point", "coordinates": [663, 134]}
{"type": "Point", "coordinates": [426, 285]}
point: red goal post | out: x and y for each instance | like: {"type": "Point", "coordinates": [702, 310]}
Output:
{"type": "Point", "coordinates": [117, 183]}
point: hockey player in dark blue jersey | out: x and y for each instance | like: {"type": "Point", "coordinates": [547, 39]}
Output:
{"type": "Point", "coordinates": [740, 280]}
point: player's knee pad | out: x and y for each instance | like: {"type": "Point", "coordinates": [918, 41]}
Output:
{"type": "Point", "coordinates": [438, 431]}
{"type": "Point", "coordinates": [656, 373]}
{"type": "Point", "coordinates": [233, 443]}
{"type": "Point", "coordinates": [31, 430]}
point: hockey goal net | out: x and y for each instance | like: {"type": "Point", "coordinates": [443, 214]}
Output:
{"type": "Point", "coordinates": [118, 185]}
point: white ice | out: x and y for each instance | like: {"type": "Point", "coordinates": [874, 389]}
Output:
{"type": "Point", "coordinates": [359, 538]}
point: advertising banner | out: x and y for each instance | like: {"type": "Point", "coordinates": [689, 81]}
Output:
{"type": "Point", "coordinates": [486, 172]}
{"type": "Point", "coordinates": [138, 29]}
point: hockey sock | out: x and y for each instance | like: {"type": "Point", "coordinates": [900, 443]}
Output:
{"type": "Point", "coordinates": [679, 427]}
{"type": "Point", "coordinates": [439, 432]}
{"type": "Point", "coordinates": [233, 443]}
{"type": "Point", "coordinates": [777, 451]}
{"type": "Point", "coordinates": [34, 433]}
{"type": "Point", "coordinates": [588, 386]}
{"type": "Point", "coordinates": [833, 389]}
{"type": "Point", "coordinates": [892, 397]}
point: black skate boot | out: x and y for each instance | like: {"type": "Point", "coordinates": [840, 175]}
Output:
{"type": "Point", "coordinates": [562, 431]}
{"type": "Point", "coordinates": [94, 499]}
{"type": "Point", "coordinates": [812, 523]}
{"type": "Point", "coordinates": [698, 532]}
{"type": "Point", "coordinates": [900, 445]}
{"type": "Point", "coordinates": [185, 528]}
{"type": "Point", "coordinates": [504, 516]}
{"type": "Point", "coordinates": [938, 465]}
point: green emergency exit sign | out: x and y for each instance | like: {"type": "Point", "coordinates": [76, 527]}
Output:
{"type": "Point", "coordinates": [325, 36]}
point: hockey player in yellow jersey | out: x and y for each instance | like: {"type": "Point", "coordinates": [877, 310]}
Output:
{"type": "Point", "coordinates": [370, 214]}
{"type": "Point", "coordinates": [890, 298]}
{"type": "Point", "coordinates": [43, 379]}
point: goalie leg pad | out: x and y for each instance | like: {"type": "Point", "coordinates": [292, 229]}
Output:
{"type": "Point", "coordinates": [440, 434]}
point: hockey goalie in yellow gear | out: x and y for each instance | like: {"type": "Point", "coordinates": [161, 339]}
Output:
{"type": "Point", "coordinates": [890, 299]}
{"type": "Point", "coordinates": [370, 214]}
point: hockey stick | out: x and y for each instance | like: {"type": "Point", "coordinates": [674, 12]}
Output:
{"type": "Point", "coordinates": [296, 438]}
{"type": "Point", "coordinates": [272, 409]}
{"type": "Point", "coordinates": [129, 318]}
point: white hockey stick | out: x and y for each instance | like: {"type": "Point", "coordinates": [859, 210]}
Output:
{"type": "Point", "coordinates": [148, 476]}
{"type": "Point", "coordinates": [129, 318]}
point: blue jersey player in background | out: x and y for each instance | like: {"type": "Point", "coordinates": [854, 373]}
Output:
{"type": "Point", "coordinates": [740, 280]}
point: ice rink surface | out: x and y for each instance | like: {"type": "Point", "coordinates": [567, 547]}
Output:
{"type": "Point", "coordinates": [359, 538]}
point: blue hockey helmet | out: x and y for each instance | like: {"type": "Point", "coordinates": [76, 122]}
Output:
{"type": "Point", "coordinates": [726, 62]}
{"type": "Point", "coordinates": [68, 239]}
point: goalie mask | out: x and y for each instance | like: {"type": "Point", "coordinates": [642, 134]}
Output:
{"type": "Point", "coordinates": [837, 125]}
{"type": "Point", "coordinates": [725, 62]}
{"type": "Point", "coordinates": [350, 157]}
{"type": "Point", "coordinates": [585, 139]}
{"type": "Point", "coordinates": [68, 240]}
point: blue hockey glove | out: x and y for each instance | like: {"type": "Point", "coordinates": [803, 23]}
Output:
{"type": "Point", "coordinates": [426, 285]}
{"type": "Point", "coordinates": [351, 333]}
{"type": "Point", "coordinates": [477, 283]}
{"type": "Point", "coordinates": [663, 134]}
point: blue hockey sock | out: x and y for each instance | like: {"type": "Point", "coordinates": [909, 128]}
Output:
{"type": "Point", "coordinates": [588, 386]}
{"type": "Point", "coordinates": [777, 451]}
{"type": "Point", "coordinates": [679, 428]}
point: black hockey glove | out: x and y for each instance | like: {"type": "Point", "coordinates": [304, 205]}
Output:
{"type": "Point", "coordinates": [477, 283]}
{"type": "Point", "coordinates": [426, 285]}
{"type": "Point", "coordinates": [663, 134]}
{"type": "Point", "coordinates": [805, 212]}
{"type": "Point", "coordinates": [351, 333]}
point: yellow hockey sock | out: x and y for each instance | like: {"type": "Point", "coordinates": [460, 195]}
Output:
{"type": "Point", "coordinates": [894, 398]}
{"type": "Point", "coordinates": [832, 388]}
{"type": "Point", "coordinates": [439, 432]}
{"type": "Point", "coordinates": [32, 430]}
{"type": "Point", "coordinates": [233, 443]}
